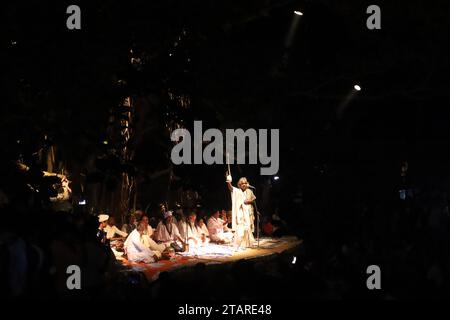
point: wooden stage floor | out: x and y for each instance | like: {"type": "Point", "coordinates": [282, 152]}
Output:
{"type": "Point", "coordinates": [212, 255]}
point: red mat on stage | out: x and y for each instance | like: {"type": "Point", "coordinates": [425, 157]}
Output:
{"type": "Point", "coordinates": [153, 270]}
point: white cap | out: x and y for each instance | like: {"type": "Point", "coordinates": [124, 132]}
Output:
{"type": "Point", "coordinates": [167, 214]}
{"type": "Point", "coordinates": [103, 217]}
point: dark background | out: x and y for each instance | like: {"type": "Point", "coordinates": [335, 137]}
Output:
{"type": "Point", "coordinates": [339, 172]}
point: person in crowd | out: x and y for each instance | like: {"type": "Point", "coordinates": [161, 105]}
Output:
{"type": "Point", "coordinates": [224, 217]}
{"type": "Point", "coordinates": [229, 219]}
{"type": "Point", "coordinates": [162, 211]}
{"type": "Point", "coordinates": [182, 225]}
{"type": "Point", "coordinates": [115, 237]}
{"type": "Point", "coordinates": [148, 228]}
{"type": "Point", "coordinates": [267, 227]}
{"type": "Point", "coordinates": [203, 231]}
{"type": "Point", "coordinates": [138, 215]}
{"type": "Point", "coordinates": [178, 212]}
{"type": "Point", "coordinates": [148, 237]}
{"type": "Point", "coordinates": [101, 233]}
{"type": "Point", "coordinates": [193, 237]}
{"type": "Point", "coordinates": [111, 230]}
{"type": "Point", "coordinates": [135, 248]}
{"type": "Point", "coordinates": [279, 225]}
{"type": "Point", "coordinates": [216, 229]}
{"type": "Point", "coordinates": [167, 233]}
{"type": "Point", "coordinates": [131, 225]}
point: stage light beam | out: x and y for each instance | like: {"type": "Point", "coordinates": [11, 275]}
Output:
{"type": "Point", "coordinates": [344, 104]}
{"type": "Point", "coordinates": [293, 29]}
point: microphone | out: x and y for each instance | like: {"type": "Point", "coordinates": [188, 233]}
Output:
{"type": "Point", "coordinates": [251, 187]}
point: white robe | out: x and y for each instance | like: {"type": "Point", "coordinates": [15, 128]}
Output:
{"type": "Point", "coordinates": [136, 250]}
{"type": "Point", "coordinates": [112, 231]}
{"type": "Point", "coordinates": [193, 235]}
{"type": "Point", "coordinates": [203, 231]}
{"type": "Point", "coordinates": [182, 228]}
{"type": "Point", "coordinates": [241, 223]}
{"type": "Point", "coordinates": [251, 196]}
{"type": "Point", "coordinates": [163, 235]}
{"type": "Point", "coordinates": [149, 231]}
{"type": "Point", "coordinates": [150, 243]}
{"type": "Point", "coordinates": [216, 231]}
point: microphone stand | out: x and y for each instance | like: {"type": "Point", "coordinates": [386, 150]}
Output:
{"type": "Point", "coordinates": [257, 216]}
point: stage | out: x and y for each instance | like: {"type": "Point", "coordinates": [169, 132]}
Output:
{"type": "Point", "coordinates": [214, 255]}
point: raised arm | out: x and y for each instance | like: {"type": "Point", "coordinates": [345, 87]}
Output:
{"type": "Point", "coordinates": [228, 181]}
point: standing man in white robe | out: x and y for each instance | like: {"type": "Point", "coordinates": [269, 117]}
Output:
{"type": "Point", "coordinates": [136, 250]}
{"type": "Point", "coordinates": [250, 196]}
{"type": "Point", "coordinates": [241, 221]}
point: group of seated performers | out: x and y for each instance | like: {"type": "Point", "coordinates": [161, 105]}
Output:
{"type": "Point", "coordinates": [141, 243]}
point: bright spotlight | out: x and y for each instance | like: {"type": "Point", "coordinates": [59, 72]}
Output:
{"type": "Point", "coordinates": [357, 88]}
{"type": "Point", "coordinates": [299, 13]}
{"type": "Point", "coordinates": [276, 178]}
{"type": "Point", "coordinates": [294, 260]}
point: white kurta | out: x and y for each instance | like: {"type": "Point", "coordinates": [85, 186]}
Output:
{"type": "Point", "coordinates": [203, 231]}
{"type": "Point", "coordinates": [166, 234]}
{"type": "Point", "coordinates": [216, 231]}
{"type": "Point", "coordinates": [182, 228]}
{"type": "Point", "coordinates": [150, 243]}
{"type": "Point", "coordinates": [149, 231]}
{"type": "Point", "coordinates": [251, 196]}
{"type": "Point", "coordinates": [136, 250]}
{"type": "Point", "coordinates": [193, 235]}
{"type": "Point", "coordinates": [112, 231]}
{"type": "Point", "coordinates": [241, 223]}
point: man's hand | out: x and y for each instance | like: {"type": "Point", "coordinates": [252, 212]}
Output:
{"type": "Point", "coordinates": [228, 181]}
